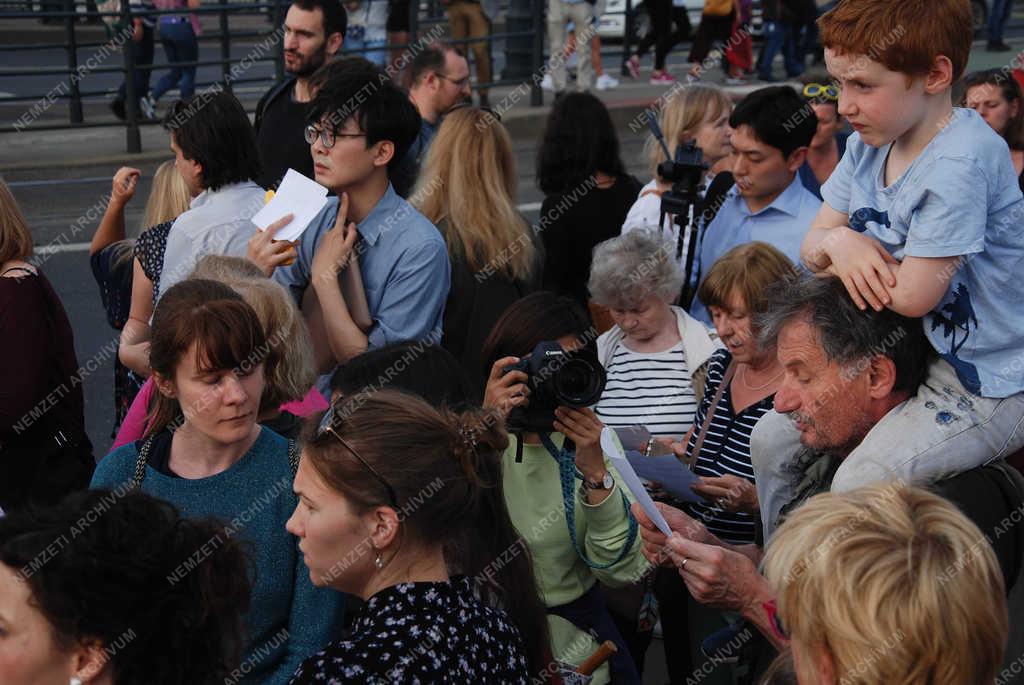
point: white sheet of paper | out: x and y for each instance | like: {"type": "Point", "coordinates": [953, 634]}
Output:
{"type": "Point", "coordinates": [668, 471]}
{"type": "Point", "coordinates": [297, 195]}
{"type": "Point", "coordinates": [611, 447]}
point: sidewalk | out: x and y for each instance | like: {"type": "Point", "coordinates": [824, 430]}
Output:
{"type": "Point", "coordinates": [95, 146]}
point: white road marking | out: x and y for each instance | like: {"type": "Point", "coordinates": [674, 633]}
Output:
{"type": "Point", "coordinates": [84, 247]}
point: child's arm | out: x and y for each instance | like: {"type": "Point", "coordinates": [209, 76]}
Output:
{"type": "Point", "coordinates": [863, 264]}
{"type": "Point", "coordinates": [921, 283]}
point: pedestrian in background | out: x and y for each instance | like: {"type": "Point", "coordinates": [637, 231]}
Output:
{"type": "Point", "coordinates": [178, 32]}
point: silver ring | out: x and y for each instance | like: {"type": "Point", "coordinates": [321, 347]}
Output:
{"type": "Point", "coordinates": [682, 564]}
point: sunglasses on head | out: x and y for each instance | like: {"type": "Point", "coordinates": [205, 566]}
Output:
{"type": "Point", "coordinates": [818, 91]}
{"type": "Point", "coordinates": [327, 425]}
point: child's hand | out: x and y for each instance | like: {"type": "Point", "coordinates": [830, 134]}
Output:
{"type": "Point", "coordinates": [864, 266]}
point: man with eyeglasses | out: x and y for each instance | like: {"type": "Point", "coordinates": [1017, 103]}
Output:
{"type": "Point", "coordinates": [440, 80]}
{"type": "Point", "coordinates": [369, 270]}
{"type": "Point", "coordinates": [314, 30]}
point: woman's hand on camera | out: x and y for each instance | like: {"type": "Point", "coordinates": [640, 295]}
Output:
{"type": "Point", "coordinates": [584, 428]}
{"type": "Point", "coordinates": [506, 390]}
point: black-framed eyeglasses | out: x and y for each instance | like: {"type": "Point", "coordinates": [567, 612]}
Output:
{"type": "Point", "coordinates": [327, 426]}
{"type": "Point", "coordinates": [819, 91]}
{"type": "Point", "coordinates": [459, 83]}
{"type": "Point", "coordinates": [470, 105]}
{"type": "Point", "coordinates": [327, 136]}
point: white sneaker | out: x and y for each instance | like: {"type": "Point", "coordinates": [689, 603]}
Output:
{"type": "Point", "coordinates": [606, 81]}
{"type": "Point", "coordinates": [147, 106]}
{"type": "Point", "coordinates": [546, 83]}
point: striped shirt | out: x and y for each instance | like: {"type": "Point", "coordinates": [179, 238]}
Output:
{"type": "Point", "coordinates": [652, 389]}
{"type": "Point", "coordinates": [726, 450]}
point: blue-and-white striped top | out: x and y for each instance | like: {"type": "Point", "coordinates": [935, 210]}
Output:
{"type": "Point", "coordinates": [726, 450]}
{"type": "Point", "coordinates": [653, 389]}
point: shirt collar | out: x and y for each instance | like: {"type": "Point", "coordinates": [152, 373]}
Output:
{"type": "Point", "coordinates": [372, 226]}
{"type": "Point", "coordinates": [788, 201]}
{"type": "Point", "coordinates": [209, 195]}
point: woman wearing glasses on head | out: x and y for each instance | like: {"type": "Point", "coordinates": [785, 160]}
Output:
{"type": "Point", "coordinates": [205, 453]}
{"type": "Point", "coordinates": [401, 504]}
{"type": "Point", "coordinates": [829, 142]}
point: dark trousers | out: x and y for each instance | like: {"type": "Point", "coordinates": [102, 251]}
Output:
{"type": "Point", "coordinates": [180, 44]}
{"type": "Point", "coordinates": [589, 613]}
{"type": "Point", "coordinates": [711, 29]}
{"type": "Point", "coordinates": [785, 37]}
{"type": "Point", "coordinates": [663, 15]}
{"type": "Point", "coordinates": [672, 594]}
{"type": "Point", "coordinates": [142, 54]}
{"type": "Point", "coordinates": [999, 14]}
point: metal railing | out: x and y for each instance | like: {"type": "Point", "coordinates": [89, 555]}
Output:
{"type": "Point", "coordinates": [523, 39]}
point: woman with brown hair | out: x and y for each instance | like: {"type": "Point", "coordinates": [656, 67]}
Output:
{"type": "Point", "coordinates": [44, 451]}
{"type": "Point", "coordinates": [288, 393]}
{"type": "Point", "coordinates": [996, 96]}
{"type": "Point", "coordinates": [424, 539]}
{"type": "Point", "coordinates": [742, 379]}
{"type": "Point", "coordinates": [467, 189]}
{"type": "Point", "coordinates": [205, 452]}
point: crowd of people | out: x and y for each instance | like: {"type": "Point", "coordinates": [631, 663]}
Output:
{"type": "Point", "coordinates": [377, 453]}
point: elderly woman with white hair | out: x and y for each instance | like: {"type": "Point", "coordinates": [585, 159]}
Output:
{"type": "Point", "coordinates": [656, 357]}
{"type": "Point", "coordinates": [656, 354]}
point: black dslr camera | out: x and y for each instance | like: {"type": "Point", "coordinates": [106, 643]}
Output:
{"type": "Point", "coordinates": [686, 172]}
{"type": "Point", "coordinates": [556, 378]}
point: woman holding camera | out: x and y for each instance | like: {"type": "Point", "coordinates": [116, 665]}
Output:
{"type": "Point", "coordinates": [603, 545]}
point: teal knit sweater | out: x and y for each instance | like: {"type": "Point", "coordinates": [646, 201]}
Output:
{"type": "Point", "coordinates": [289, 619]}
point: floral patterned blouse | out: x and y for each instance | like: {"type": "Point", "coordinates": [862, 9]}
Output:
{"type": "Point", "coordinates": [422, 633]}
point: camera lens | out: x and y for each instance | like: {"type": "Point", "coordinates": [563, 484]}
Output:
{"type": "Point", "coordinates": [579, 383]}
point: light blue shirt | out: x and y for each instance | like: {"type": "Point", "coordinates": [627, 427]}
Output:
{"type": "Point", "coordinates": [404, 263]}
{"type": "Point", "coordinates": [782, 224]}
{"type": "Point", "coordinates": [216, 222]}
{"type": "Point", "coordinates": [958, 198]}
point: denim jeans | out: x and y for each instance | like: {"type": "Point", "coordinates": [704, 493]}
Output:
{"type": "Point", "coordinates": [375, 51]}
{"type": "Point", "coordinates": [181, 46]}
{"type": "Point", "coordinates": [142, 53]}
{"type": "Point", "coordinates": [998, 15]}
{"type": "Point", "coordinates": [787, 38]}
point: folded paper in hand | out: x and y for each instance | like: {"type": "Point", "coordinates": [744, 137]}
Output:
{"type": "Point", "coordinates": [297, 195]}
{"type": "Point", "coordinates": [610, 446]}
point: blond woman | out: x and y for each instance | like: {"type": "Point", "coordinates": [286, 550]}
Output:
{"type": "Point", "coordinates": [467, 188]}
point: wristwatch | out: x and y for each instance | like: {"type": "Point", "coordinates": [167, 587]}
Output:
{"type": "Point", "coordinates": [605, 483]}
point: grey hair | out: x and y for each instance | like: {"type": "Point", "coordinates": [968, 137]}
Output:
{"type": "Point", "coordinates": [846, 334]}
{"type": "Point", "coordinates": [627, 268]}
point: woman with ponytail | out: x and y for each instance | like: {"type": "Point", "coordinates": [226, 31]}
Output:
{"type": "Point", "coordinates": [401, 504]}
